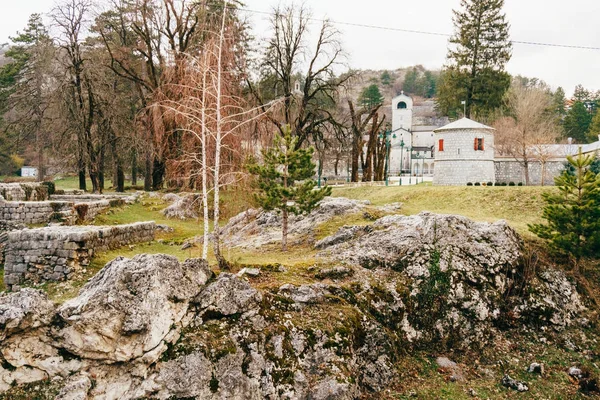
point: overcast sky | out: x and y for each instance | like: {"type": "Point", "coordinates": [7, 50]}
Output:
{"type": "Point", "coordinates": [547, 21]}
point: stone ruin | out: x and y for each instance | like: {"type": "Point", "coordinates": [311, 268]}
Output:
{"type": "Point", "coordinates": [23, 191]}
{"type": "Point", "coordinates": [30, 204]}
{"type": "Point", "coordinates": [33, 256]}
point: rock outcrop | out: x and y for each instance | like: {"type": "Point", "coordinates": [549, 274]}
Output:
{"type": "Point", "coordinates": [154, 328]}
{"type": "Point", "coordinates": [255, 228]}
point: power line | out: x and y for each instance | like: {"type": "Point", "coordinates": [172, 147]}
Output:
{"type": "Point", "coordinates": [419, 32]}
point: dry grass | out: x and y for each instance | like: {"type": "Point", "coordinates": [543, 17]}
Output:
{"type": "Point", "coordinates": [519, 206]}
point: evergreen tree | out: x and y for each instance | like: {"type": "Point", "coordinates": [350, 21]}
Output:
{"type": "Point", "coordinates": [559, 100]}
{"type": "Point", "coordinates": [427, 85]}
{"type": "Point", "coordinates": [386, 78]}
{"type": "Point", "coordinates": [581, 94]}
{"type": "Point", "coordinates": [577, 122]}
{"type": "Point", "coordinates": [573, 215]}
{"type": "Point", "coordinates": [285, 180]}
{"type": "Point", "coordinates": [594, 130]}
{"type": "Point", "coordinates": [370, 97]}
{"type": "Point", "coordinates": [478, 53]}
{"type": "Point", "coordinates": [411, 81]}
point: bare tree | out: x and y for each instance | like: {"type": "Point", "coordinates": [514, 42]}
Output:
{"type": "Point", "coordinates": [303, 76]}
{"type": "Point", "coordinates": [359, 120]}
{"type": "Point", "coordinates": [70, 18]}
{"type": "Point", "coordinates": [526, 133]}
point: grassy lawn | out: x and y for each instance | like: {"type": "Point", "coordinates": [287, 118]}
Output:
{"type": "Point", "coordinates": [519, 206]}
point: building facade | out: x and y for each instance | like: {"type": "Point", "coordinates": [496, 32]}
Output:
{"type": "Point", "coordinates": [464, 153]}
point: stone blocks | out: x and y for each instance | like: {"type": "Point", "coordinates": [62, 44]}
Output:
{"type": "Point", "coordinates": [33, 256]}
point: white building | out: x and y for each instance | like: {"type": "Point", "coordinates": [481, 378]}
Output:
{"type": "Point", "coordinates": [412, 136]}
{"type": "Point", "coordinates": [29, 171]}
{"type": "Point", "coordinates": [464, 153]}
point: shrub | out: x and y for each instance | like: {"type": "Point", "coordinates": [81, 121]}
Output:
{"type": "Point", "coordinates": [490, 183]}
{"type": "Point", "coordinates": [511, 184]}
{"type": "Point", "coordinates": [503, 183]}
{"type": "Point", "coordinates": [477, 184]}
{"type": "Point", "coordinates": [520, 184]}
{"type": "Point", "coordinates": [469, 183]}
{"type": "Point", "coordinates": [51, 187]}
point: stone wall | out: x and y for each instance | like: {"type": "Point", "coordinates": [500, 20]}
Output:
{"type": "Point", "coordinates": [35, 212]}
{"type": "Point", "coordinates": [33, 256]}
{"type": "Point", "coordinates": [116, 199]}
{"type": "Point", "coordinates": [42, 212]}
{"type": "Point", "coordinates": [23, 191]}
{"type": "Point", "coordinates": [510, 170]}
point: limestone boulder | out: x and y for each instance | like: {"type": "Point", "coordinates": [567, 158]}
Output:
{"type": "Point", "coordinates": [454, 274]}
{"type": "Point", "coordinates": [24, 310]}
{"type": "Point", "coordinates": [130, 308]}
{"type": "Point", "coordinates": [228, 295]}
{"type": "Point", "coordinates": [255, 228]}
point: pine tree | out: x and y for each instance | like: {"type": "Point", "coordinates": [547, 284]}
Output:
{"type": "Point", "coordinates": [285, 180]}
{"type": "Point", "coordinates": [577, 122]}
{"type": "Point", "coordinates": [370, 97]}
{"type": "Point", "coordinates": [478, 53]}
{"type": "Point", "coordinates": [594, 130]}
{"type": "Point", "coordinates": [386, 78]}
{"type": "Point", "coordinates": [573, 215]}
{"type": "Point", "coordinates": [410, 81]}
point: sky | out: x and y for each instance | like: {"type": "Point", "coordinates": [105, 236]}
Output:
{"type": "Point", "coordinates": [543, 21]}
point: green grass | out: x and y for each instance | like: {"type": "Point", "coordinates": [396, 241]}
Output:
{"type": "Point", "coordinates": [519, 206]}
{"type": "Point", "coordinates": [72, 183]}
{"type": "Point", "coordinates": [148, 209]}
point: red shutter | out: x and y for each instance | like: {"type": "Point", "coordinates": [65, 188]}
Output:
{"type": "Point", "coordinates": [441, 145]}
{"type": "Point", "coordinates": [475, 144]}
{"type": "Point", "coordinates": [481, 144]}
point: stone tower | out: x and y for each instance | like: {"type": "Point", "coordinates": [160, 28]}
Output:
{"type": "Point", "coordinates": [464, 152]}
{"type": "Point", "coordinates": [402, 118]}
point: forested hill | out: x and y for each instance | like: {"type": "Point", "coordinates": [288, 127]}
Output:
{"type": "Point", "coordinates": [416, 81]}
{"type": "Point", "coordinates": [3, 49]}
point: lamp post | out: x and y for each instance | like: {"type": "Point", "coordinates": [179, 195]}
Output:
{"type": "Point", "coordinates": [410, 166]}
{"type": "Point", "coordinates": [401, 161]}
{"type": "Point", "coordinates": [387, 136]}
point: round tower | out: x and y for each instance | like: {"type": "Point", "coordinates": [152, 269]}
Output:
{"type": "Point", "coordinates": [464, 152]}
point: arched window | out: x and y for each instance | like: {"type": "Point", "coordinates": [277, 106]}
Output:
{"type": "Point", "coordinates": [401, 105]}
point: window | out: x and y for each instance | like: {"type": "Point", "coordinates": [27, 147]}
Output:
{"type": "Point", "coordinates": [401, 105]}
{"type": "Point", "coordinates": [441, 145]}
{"type": "Point", "coordinates": [478, 144]}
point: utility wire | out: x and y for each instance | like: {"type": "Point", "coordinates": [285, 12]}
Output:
{"type": "Point", "coordinates": [387, 28]}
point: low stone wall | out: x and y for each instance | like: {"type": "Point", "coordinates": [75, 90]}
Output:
{"type": "Point", "coordinates": [6, 227]}
{"type": "Point", "coordinates": [35, 212]}
{"type": "Point", "coordinates": [116, 199]}
{"type": "Point", "coordinates": [510, 170]}
{"type": "Point", "coordinates": [23, 191]}
{"type": "Point", "coordinates": [43, 212]}
{"type": "Point", "coordinates": [33, 256]}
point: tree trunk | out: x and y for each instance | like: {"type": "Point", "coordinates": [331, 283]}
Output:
{"type": "Point", "coordinates": [158, 174]}
{"type": "Point", "coordinates": [81, 173]}
{"type": "Point", "coordinates": [526, 170]}
{"type": "Point", "coordinates": [134, 167]}
{"type": "Point", "coordinates": [284, 230]}
{"type": "Point", "coordinates": [355, 154]}
{"type": "Point", "coordinates": [148, 172]}
{"type": "Point", "coordinates": [205, 215]}
{"type": "Point", "coordinates": [218, 138]}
